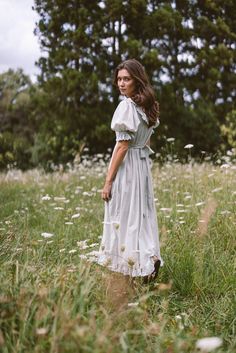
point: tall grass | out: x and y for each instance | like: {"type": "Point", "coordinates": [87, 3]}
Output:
{"type": "Point", "coordinates": [53, 299]}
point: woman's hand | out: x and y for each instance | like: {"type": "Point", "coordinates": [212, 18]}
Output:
{"type": "Point", "coordinates": [106, 191]}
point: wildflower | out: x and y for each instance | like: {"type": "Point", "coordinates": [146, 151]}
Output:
{"type": "Point", "coordinates": [59, 198]}
{"type": "Point", "coordinates": [47, 235]}
{"type": "Point", "coordinates": [86, 193]}
{"type": "Point", "coordinates": [76, 215]}
{"type": "Point", "coordinates": [62, 250]}
{"type": "Point", "coordinates": [72, 251]}
{"type": "Point", "coordinates": [82, 244]}
{"type": "Point", "coordinates": [131, 262]}
{"type": "Point", "coordinates": [58, 208]}
{"type": "Point", "coordinates": [188, 146]}
{"type": "Point", "coordinates": [224, 166]}
{"type": "Point", "coordinates": [68, 223]}
{"type": "Point", "coordinates": [208, 344]}
{"type": "Point", "coordinates": [93, 244]}
{"type": "Point", "coordinates": [178, 319]}
{"type": "Point", "coordinates": [165, 209]}
{"type": "Point", "coordinates": [46, 198]}
{"type": "Point", "coordinates": [199, 203]}
{"type": "Point", "coordinates": [170, 139]}
{"type": "Point", "coordinates": [93, 253]}
{"type": "Point", "coordinates": [41, 331]}
{"type": "Point", "coordinates": [116, 225]}
{"type": "Point", "coordinates": [133, 305]}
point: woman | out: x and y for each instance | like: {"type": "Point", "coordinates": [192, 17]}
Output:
{"type": "Point", "coordinates": [130, 243]}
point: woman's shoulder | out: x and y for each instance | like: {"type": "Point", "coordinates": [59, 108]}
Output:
{"type": "Point", "coordinates": [125, 116]}
{"type": "Point", "coordinates": [141, 112]}
{"type": "Point", "coordinates": [138, 109]}
{"type": "Point", "coordinates": [126, 103]}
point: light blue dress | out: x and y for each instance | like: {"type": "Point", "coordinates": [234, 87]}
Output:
{"type": "Point", "coordinates": [130, 237]}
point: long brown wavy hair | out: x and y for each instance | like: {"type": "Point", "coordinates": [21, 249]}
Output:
{"type": "Point", "coordinates": [144, 95]}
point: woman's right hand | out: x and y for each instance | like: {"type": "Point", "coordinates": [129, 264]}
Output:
{"type": "Point", "coordinates": [106, 191]}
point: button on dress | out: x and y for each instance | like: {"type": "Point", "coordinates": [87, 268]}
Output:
{"type": "Point", "coordinates": [130, 236]}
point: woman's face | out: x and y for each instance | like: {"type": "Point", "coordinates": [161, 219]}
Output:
{"type": "Point", "coordinates": [125, 83]}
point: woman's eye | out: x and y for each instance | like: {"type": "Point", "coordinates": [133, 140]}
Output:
{"type": "Point", "coordinates": [126, 79]}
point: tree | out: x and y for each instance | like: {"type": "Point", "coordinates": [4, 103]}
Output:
{"type": "Point", "coordinates": [229, 130]}
{"type": "Point", "coordinates": [75, 97]}
{"type": "Point", "coordinates": [15, 125]}
{"type": "Point", "coordinates": [187, 47]}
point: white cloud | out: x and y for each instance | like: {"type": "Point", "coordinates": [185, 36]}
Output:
{"type": "Point", "coordinates": [19, 47]}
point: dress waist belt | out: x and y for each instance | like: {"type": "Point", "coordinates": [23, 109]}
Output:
{"type": "Point", "coordinates": [144, 151]}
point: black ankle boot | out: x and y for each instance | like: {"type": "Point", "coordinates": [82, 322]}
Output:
{"type": "Point", "coordinates": [154, 274]}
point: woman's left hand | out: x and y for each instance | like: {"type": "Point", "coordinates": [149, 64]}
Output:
{"type": "Point", "coordinates": [106, 191]}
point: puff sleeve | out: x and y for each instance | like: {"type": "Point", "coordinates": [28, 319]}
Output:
{"type": "Point", "coordinates": [125, 120]}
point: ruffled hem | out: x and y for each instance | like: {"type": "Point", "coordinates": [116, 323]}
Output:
{"type": "Point", "coordinates": [124, 269]}
{"type": "Point", "coordinates": [121, 136]}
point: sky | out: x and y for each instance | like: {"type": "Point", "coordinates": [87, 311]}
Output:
{"type": "Point", "coordinates": [19, 47]}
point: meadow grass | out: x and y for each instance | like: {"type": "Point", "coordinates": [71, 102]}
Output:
{"type": "Point", "coordinates": [52, 299]}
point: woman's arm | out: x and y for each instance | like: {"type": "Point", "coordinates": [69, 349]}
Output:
{"type": "Point", "coordinates": [117, 157]}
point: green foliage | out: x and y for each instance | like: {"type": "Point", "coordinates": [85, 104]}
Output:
{"type": "Point", "coordinates": [15, 124]}
{"type": "Point", "coordinates": [59, 149]}
{"type": "Point", "coordinates": [229, 129]}
{"type": "Point", "coordinates": [14, 151]}
{"type": "Point", "coordinates": [187, 48]}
